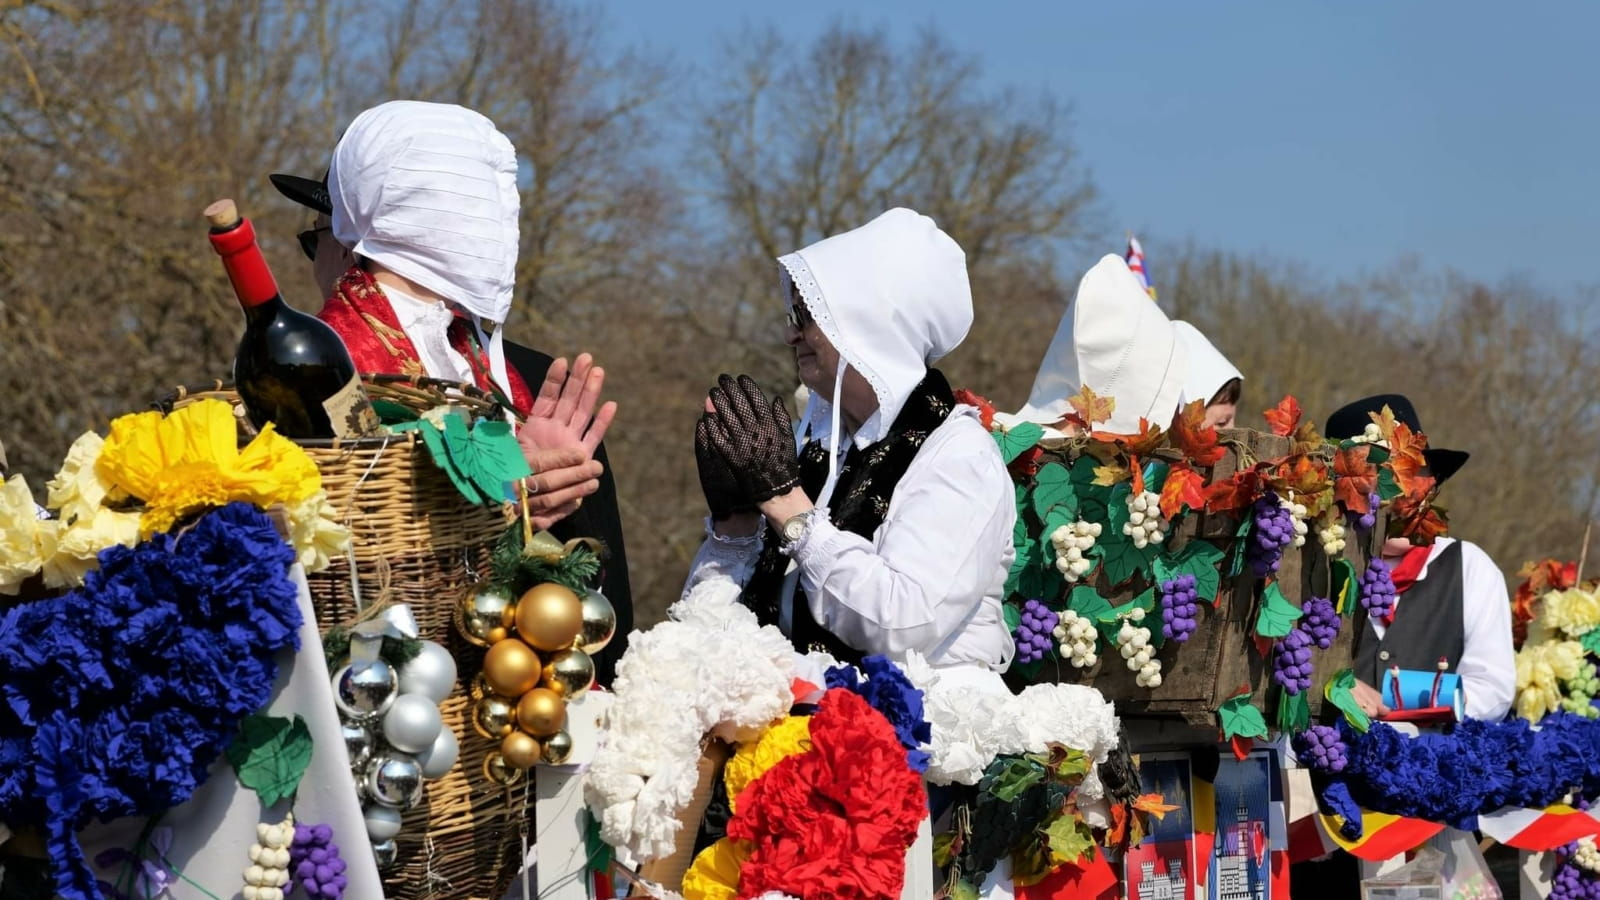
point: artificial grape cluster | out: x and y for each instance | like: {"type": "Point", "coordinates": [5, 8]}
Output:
{"type": "Point", "coordinates": [1377, 589]}
{"type": "Point", "coordinates": [1571, 882]}
{"type": "Point", "coordinates": [1321, 621]}
{"type": "Point", "coordinates": [1078, 639]}
{"type": "Point", "coordinates": [1586, 854]}
{"type": "Point", "coordinates": [318, 867]}
{"type": "Point", "coordinates": [1579, 691]}
{"type": "Point", "coordinates": [1365, 521]}
{"type": "Point", "coordinates": [1272, 531]}
{"type": "Point", "coordinates": [1320, 747]}
{"type": "Point", "coordinates": [1034, 632]}
{"type": "Point", "coordinates": [1073, 543]}
{"type": "Point", "coordinates": [1133, 642]}
{"type": "Point", "coordinates": [1291, 661]}
{"type": "Point", "coordinates": [269, 861]}
{"type": "Point", "coordinates": [1297, 518]}
{"type": "Point", "coordinates": [1179, 608]}
{"type": "Point", "coordinates": [1145, 524]}
{"type": "Point", "coordinates": [1331, 536]}
{"type": "Point", "coordinates": [1372, 434]}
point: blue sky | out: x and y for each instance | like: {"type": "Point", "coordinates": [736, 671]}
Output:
{"type": "Point", "coordinates": [1338, 135]}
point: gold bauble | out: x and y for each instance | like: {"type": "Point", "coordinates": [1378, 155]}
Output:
{"type": "Point", "coordinates": [484, 612]}
{"type": "Point", "coordinates": [549, 617]}
{"type": "Point", "coordinates": [494, 717]}
{"type": "Point", "coordinates": [480, 687]}
{"type": "Point", "coordinates": [520, 750]}
{"type": "Point", "coordinates": [569, 673]}
{"type": "Point", "coordinates": [557, 748]}
{"type": "Point", "coordinates": [511, 668]}
{"type": "Point", "coordinates": [599, 623]}
{"type": "Point", "coordinates": [497, 770]}
{"type": "Point", "coordinates": [541, 712]}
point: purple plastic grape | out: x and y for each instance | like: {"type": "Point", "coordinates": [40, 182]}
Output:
{"type": "Point", "coordinates": [1377, 589]}
{"type": "Point", "coordinates": [318, 868]}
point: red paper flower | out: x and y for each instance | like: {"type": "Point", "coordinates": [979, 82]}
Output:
{"type": "Point", "coordinates": [985, 408]}
{"type": "Point", "coordinates": [833, 823]}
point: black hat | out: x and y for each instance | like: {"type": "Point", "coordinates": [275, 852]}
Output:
{"type": "Point", "coordinates": [304, 191]}
{"type": "Point", "coordinates": [1353, 419]}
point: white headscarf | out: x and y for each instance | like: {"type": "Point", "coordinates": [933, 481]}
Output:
{"type": "Point", "coordinates": [892, 297]}
{"type": "Point", "coordinates": [1209, 370]}
{"type": "Point", "coordinates": [429, 191]}
{"type": "Point", "coordinates": [1118, 342]}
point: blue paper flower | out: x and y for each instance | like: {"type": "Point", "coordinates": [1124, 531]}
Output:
{"type": "Point", "coordinates": [888, 690]}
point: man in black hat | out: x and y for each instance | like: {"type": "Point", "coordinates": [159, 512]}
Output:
{"type": "Point", "coordinates": [596, 517]}
{"type": "Point", "coordinates": [1452, 602]}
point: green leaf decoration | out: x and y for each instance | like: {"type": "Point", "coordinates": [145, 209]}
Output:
{"type": "Point", "coordinates": [1069, 838]}
{"type": "Point", "coordinates": [1083, 483]}
{"type": "Point", "coordinates": [1388, 486]}
{"type": "Point", "coordinates": [1240, 719]}
{"type": "Point", "coordinates": [1120, 559]}
{"type": "Point", "coordinates": [1294, 713]}
{"type": "Point", "coordinates": [1197, 558]}
{"type": "Point", "coordinates": [1110, 621]}
{"type": "Point", "coordinates": [1241, 543]}
{"type": "Point", "coordinates": [1340, 691]}
{"type": "Point", "coordinates": [480, 461]}
{"type": "Point", "coordinates": [1029, 556]}
{"type": "Point", "coordinates": [1277, 615]}
{"type": "Point", "coordinates": [1053, 488]}
{"type": "Point", "coordinates": [270, 754]}
{"type": "Point", "coordinates": [1155, 475]}
{"type": "Point", "coordinates": [1012, 616]}
{"type": "Point", "coordinates": [1017, 441]}
{"type": "Point", "coordinates": [963, 890]}
{"type": "Point", "coordinates": [1087, 602]}
{"type": "Point", "coordinates": [1591, 642]}
{"type": "Point", "coordinates": [944, 852]}
{"type": "Point", "coordinates": [1072, 766]}
{"type": "Point", "coordinates": [392, 413]}
{"type": "Point", "coordinates": [1346, 587]}
{"type": "Point", "coordinates": [1040, 580]}
{"type": "Point", "coordinates": [1015, 776]}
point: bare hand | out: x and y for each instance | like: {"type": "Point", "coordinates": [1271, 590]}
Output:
{"type": "Point", "coordinates": [1370, 701]}
{"type": "Point", "coordinates": [564, 414]}
{"type": "Point", "coordinates": [561, 479]}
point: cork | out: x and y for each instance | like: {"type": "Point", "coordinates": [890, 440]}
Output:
{"type": "Point", "coordinates": [222, 214]}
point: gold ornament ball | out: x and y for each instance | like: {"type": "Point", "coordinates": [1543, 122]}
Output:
{"type": "Point", "coordinates": [569, 673]}
{"type": "Point", "coordinates": [480, 687]}
{"type": "Point", "coordinates": [520, 750]}
{"type": "Point", "coordinates": [541, 712]}
{"type": "Point", "coordinates": [497, 770]}
{"type": "Point", "coordinates": [485, 612]}
{"type": "Point", "coordinates": [549, 617]}
{"type": "Point", "coordinates": [557, 748]}
{"type": "Point", "coordinates": [511, 668]}
{"type": "Point", "coordinates": [599, 623]}
{"type": "Point", "coordinates": [494, 717]}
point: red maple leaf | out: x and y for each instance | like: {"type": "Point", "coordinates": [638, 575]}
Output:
{"type": "Point", "coordinates": [1241, 747]}
{"type": "Point", "coordinates": [985, 408]}
{"type": "Point", "coordinates": [1091, 407]}
{"type": "Point", "coordinates": [1234, 493]}
{"type": "Point", "coordinates": [1417, 519]}
{"type": "Point", "coordinates": [1184, 487]}
{"type": "Point", "coordinates": [1026, 465]}
{"type": "Point", "coordinates": [1284, 418]}
{"type": "Point", "coordinates": [1195, 438]}
{"type": "Point", "coordinates": [1306, 479]}
{"type": "Point", "coordinates": [1355, 479]}
{"type": "Point", "coordinates": [1539, 577]}
{"type": "Point", "coordinates": [1408, 460]}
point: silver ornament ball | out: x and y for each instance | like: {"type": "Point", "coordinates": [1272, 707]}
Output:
{"type": "Point", "coordinates": [599, 623]}
{"type": "Point", "coordinates": [412, 723]}
{"type": "Point", "coordinates": [364, 690]}
{"type": "Point", "coordinates": [394, 780]}
{"type": "Point", "coordinates": [357, 743]}
{"type": "Point", "coordinates": [439, 758]}
{"type": "Point", "coordinates": [383, 823]}
{"type": "Point", "coordinates": [432, 673]}
{"type": "Point", "coordinates": [385, 853]}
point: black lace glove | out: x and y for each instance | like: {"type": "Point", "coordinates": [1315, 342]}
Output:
{"type": "Point", "coordinates": [723, 493]}
{"type": "Point", "coordinates": [756, 438]}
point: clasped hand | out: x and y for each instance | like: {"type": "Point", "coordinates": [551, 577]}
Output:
{"type": "Point", "coordinates": [560, 436]}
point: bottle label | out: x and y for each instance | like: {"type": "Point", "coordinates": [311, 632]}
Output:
{"type": "Point", "coordinates": [350, 412]}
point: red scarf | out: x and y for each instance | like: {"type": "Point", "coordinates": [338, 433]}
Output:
{"type": "Point", "coordinates": [363, 317]}
{"type": "Point", "coordinates": [1405, 574]}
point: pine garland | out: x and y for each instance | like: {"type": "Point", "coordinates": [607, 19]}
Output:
{"type": "Point", "coordinates": [508, 565]}
{"type": "Point", "coordinates": [395, 651]}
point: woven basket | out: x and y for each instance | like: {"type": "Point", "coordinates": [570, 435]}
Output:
{"type": "Point", "coordinates": [415, 540]}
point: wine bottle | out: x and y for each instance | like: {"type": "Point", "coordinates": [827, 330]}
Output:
{"type": "Point", "coordinates": [291, 369]}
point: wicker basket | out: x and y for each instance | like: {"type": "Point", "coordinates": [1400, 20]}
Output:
{"type": "Point", "coordinates": [415, 540]}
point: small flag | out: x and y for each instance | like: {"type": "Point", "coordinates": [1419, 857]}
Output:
{"type": "Point", "coordinates": [1135, 258]}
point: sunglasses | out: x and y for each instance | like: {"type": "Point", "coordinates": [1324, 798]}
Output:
{"type": "Point", "coordinates": [308, 241]}
{"type": "Point", "coordinates": [799, 317]}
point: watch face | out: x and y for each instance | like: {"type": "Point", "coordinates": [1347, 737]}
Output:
{"type": "Point", "coordinates": [793, 528]}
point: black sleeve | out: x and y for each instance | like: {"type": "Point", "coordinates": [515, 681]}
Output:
{"type": "Point", "coordinates": [598, 518]}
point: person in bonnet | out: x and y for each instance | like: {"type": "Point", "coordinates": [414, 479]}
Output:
{"type": "Point", "coordinates": [890, 531]}
{"type": "Point", "coordinates": [1210, 378]}
{"type": "Point", "coordinates": [1116, 341]}
{"type": "Point", "coordinates": [415, 248]}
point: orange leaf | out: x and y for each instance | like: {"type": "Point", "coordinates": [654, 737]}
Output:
{"type": "Point", "coordinates": [1119, 825]}
{"type": "Point", "coordinates": [1091, 407]}
{"type": "Point", "coordinates": [1417, 519]}
{"type": "Point", "coordinates": [1138, 475]}
{"type": "Point", "coordinates": [1234, 493]}
{"type": "Point", "coordinates": [1408, 461]}
{"type": "Point", "coordinates": [1307, 479]}
{"type": "Point", "coordinates": [1386, 423]}
{"type": "Point", "coordinates": [1241, 747]}
{"type": "Point", "coordinates": [1140, 443]}
{"type": "Point", "coordinates": [1184, 488]}
{"type": "Point", "coordinates": [1197, 440]}
{"type": "Point", "coordinates": [1155, 804]}
{"type": "Point", "coordinates": [1355, 479]}
{"type": "Point", "coordinates": [1284, 418]}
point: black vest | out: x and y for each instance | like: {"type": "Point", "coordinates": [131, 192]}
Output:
{"type": "Point", "coordinates": [1428, 624]}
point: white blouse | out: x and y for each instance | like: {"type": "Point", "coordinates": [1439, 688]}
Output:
{"type": "Point", "coordinates": [427, 324]}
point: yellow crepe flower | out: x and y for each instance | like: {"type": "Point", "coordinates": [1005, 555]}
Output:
{"type": "Point", "coordinates": [190, 461]}
{"type": "Point", "coordinates": [1540, 670]}
{"type": "Point", "coordinates": [20, 553]}
{"type": "Point", "coordinates": [714, 874]}
{"type": "Point", "coordinates": [1574, 612]}
{"type": "Point", "coordinates": [754, 758]}
{"type": "Point", "coordinates": [71, 550]}
{"type": "Point", "coordinates": [316, 533]}
{"type": "Point", "coordinates": [78, 488]}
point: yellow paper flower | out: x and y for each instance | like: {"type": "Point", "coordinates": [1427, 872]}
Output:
{"type": "Point", "coordinates": [1573, 612]}
{"type": "Point", "coordinates": [71, 550]}
{"type": "Point", "coordinates": [1541, 668]}
{"type": "Point", "coordinates": [190, 461]}
{"type": "Point", "coordinates": [316, 533]}
{"type": "Point", "coordinates": [78, 489]}
{"type": "Point", "coordinates": [754, 758]}
{"type": "Point", "coordinates": [20, 553]}
{"type": "Point", "coordinates": [714, 874]}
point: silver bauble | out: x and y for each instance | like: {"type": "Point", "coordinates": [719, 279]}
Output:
{"type": "Point", "coordinates": [412, 723]}
{"type": "Point", "coordinates": [365, 690]}
{"type": "Point", "coordinates": [394, 780]}
{"type": "Point", "coordinates": [599, 623]}
{"type": "Point", "coordinates": [357, 743]}
{"type": "Point", "coordinates": [385, 853]}
{"type": "Point", "coordinates": [439, 758]}
{"type": "Point", "coordinates": [432, 673]}
{"type": "Point", "coordinates": [383, 823]}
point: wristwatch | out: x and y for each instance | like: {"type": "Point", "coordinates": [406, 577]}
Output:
{"type": "Point", "coordinates": [795, 528]}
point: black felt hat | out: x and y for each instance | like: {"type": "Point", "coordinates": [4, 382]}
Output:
{"type": "Point", "coordinates": [304, 191]}
{"type": "Point", "coordinates": [1352, 419]}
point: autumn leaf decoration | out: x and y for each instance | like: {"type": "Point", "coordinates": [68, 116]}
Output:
{"type": "Point", "coordinates": [1183, 489]}
{"type": "Point", "coordinates": [1284, 418]}
{"type": "Point", "coordinates": [1195, 438]}
{"type": "Point", "coordinates": [1090, 409]}
{"type": "Point", "coordinates": [1355, 478]}
{"type": "Point", "coordinates": [984, 407]}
